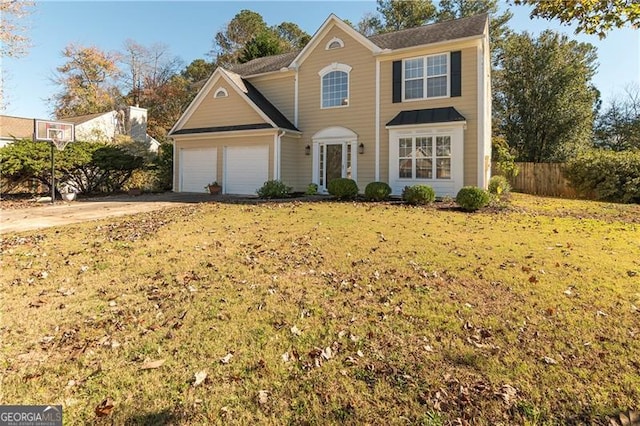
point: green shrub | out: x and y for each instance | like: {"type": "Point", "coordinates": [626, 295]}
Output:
{"type": "Point", "coordinates": [472, 198]}
{"type": "Point", "coordinates": [274, 189]}
{"type": "Point", "coordinates": [418, 194]}
{"type": "Point", "coordinates": [312, 189]}
{"type": "Point", "coordinates": [164, 167]}
{"type": "Point", "coordinates": [343, 188]}
{"type": "Point", "coordinates": [606, 175]}
{"type": "Point", "coordinates": [377, 191]}
{"type": "Point", "coordinates": [499, 185]}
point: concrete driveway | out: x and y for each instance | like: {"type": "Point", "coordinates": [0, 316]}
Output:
{"type": "Point", "coordinates": [61, 213]}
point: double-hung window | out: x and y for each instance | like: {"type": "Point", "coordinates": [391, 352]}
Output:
{"type": "Point", "coordinates": [424, 157]}
{"type": "Point", "coordinates": [334, 85]}
{"type": "Point", "coordinates": [426, 77]}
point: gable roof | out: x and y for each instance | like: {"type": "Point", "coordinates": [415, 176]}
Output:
{"type": "Point", "coordinates": [84, 118]}
{"type": "Point", "coordinates": [426, 116]}
{"type": "Point", "coordinates": [427, 34]}
{"type": "Point", "coordinates": [432, 33]}
{"type": "Point", "coordinates": [15, 127]}
{"type": "Point", "coordinates": [251, 95]}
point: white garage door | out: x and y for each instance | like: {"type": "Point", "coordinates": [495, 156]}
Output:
{"type": "Point", "coordinates": [246, 169]}
{"type": "Point", "coordinates": [198, 168]}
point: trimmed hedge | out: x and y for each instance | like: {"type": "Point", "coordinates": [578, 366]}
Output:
{"type": "Point", "coordinates": [343, 188]}
{"type": "Point", "coordinates": [418, 194]}
{"type": "Point", "coordinates": [377, 191]}
{"type": "Point", "coordinates": [606, 175]}
{"type": "Point", "coordinates": [472, 198]}
{"type": "Point", "coordinates": [274, 189]}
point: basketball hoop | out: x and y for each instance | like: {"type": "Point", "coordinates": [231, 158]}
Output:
{"type": "Point", "coordinates": [59, 133]}
{"type": "Point", "coordinates": [59, 143]}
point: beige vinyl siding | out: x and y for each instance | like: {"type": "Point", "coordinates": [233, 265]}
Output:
{"type": "Point", "coordinates": [359, 115]}
{"type": "Point", "coordinates": [220, 143]}
{"type": "Point", "coordinates": [229, 111]}
{"type": "Point", "coordinates": [295, 166]}
{"type": "Point", "coordinates": [280, 91]}
{"type": "Point", "coordinates": [467, 105]}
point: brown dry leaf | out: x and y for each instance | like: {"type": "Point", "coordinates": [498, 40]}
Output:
{"type": "Point", "coordinates": [263, 397]}
{"type": "Point", "coordinates": [104, 408]}
{"type": "Point", "coordinates": [533, 279]}
{"type": "Point", "coordinates": [630, 418]}
{"type": "Point", "coordinates": [549, 360]}
{"type": "Point", "coordinates": [150, 365]}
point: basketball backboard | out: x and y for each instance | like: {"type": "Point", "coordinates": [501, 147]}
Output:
{"type": "Point", "coordinates": [58, 132]}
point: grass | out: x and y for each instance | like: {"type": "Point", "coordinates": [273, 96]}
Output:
{"type": "Point", "coordinates": [333, 313]}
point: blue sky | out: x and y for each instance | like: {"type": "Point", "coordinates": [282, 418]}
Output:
{"type": "Point", "coordinates": [188, 29]}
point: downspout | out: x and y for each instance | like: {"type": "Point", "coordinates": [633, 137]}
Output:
{"type": "Point", "coordinates": [295, 98]}
{"type": "Point", "coordinates": [176, 178]}
{"type": "Point", "coordinates": [277, 142]}
{"type": "Point", "coordinates": [377, 153]}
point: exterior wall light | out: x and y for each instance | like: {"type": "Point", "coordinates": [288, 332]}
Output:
{"type": "Point", "coordinates": [307, 150]}
{"type": "Point", "coordinates": [361, 148]}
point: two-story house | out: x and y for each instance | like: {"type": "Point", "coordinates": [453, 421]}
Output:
{"type": "Point", "coordinates": [406, 107]}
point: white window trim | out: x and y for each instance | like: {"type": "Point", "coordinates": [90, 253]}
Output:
{"type": "Point", "coordinates": [449, 186]}
{"type": "Point", "coordinates": [336, 67]}
{"type": "Point", "coordinates": [221, 90]}
{"type": "Point", "coordinates": [333, 40]}
{"type": "Point", "coordinates": [425, 78]}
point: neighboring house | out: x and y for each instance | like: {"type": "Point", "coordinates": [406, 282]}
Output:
{"type": "Point", "coordinates": [12, 128]}
{"type": "Point", "coordinates": [92, 127]}
{"type": "Point", "coordinates": [407, 107]}
{"type": "Point", "coordinates": [107, 125]}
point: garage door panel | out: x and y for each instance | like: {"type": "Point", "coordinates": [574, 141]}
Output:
{"type": "Point", "coordinates": [247, 168]}
{"type": "Point", "coordinates": [198, 168]}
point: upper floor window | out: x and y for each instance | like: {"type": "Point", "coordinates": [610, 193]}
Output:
{"type": "Point", "coordinates": [335, 85]}
{"type": "Point", "coordinates": [221, 93]}
{"type": "Point", "coordinates": [426, 77]}
{"type": "Point", "coordinates": [334, 43]}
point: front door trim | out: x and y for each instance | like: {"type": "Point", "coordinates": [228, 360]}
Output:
{"type": "Point", "coordinates": [335, 135]}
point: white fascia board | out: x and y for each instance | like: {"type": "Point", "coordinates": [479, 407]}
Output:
{"type": "Point", "coordinates": [404, 50]}
{"type": "Point", "coordinates": [195, 103]}
{"type": "Point", "coordinates": [429, 125]}
{"type": "Point", "coordinates": [229, 134]}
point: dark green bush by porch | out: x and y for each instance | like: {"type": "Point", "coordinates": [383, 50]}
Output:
{"type": "Point", "coordinates": [343, 188]}
{"type": "Point", "coordinates": [472, 198]}
{"type": "Point", "coordinates": [418, 194]}
{"type": "Point", "coordinates": [274, 189]}
{"type": "Point", "coordinates": [377, 191]}
{"type": "Point", "coordinates": [606, 175]}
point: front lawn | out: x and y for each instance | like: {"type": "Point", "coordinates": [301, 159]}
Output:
{"type": "Point", "coordinates": [328, 313]}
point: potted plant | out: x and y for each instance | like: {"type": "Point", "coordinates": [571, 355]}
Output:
{"type": "Point", "coordinates": [214, 188]}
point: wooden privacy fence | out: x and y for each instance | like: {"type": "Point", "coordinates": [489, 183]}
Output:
{"type": "Point", "coordinates": [541, 179]}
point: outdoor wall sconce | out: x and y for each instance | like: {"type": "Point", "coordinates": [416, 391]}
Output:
{"type": "Point", "coordinates": [307, 150]}
{"type": "Point", "coordinates": [361, 148]}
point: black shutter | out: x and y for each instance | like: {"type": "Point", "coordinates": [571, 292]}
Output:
{"type": "Point", "coordinates": [397, 81]}
{"type": "Point", "coordinates": [456, 73]}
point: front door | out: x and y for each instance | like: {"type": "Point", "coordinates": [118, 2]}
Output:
{"type": "Point", "coordinates": [334, 163]}
{"type": "Point", "coordinates": [333, 160]}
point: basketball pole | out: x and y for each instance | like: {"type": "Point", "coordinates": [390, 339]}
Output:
{"type": "Point", "coordinates": [53, 176]}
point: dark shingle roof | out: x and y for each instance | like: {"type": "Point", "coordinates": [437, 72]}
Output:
{"type": "Point", "coordinates": [223, 128]}
{"type": "Point", "coordinates": [83, 118]}
{"type": "Point", "coordinates": [425, 116]}
{"type": "Point", "coordinates": [267, 107]}
{"type": "Point", "coordinates": [427, 34]}
{"type": "Point", "coordinates": [432, 33]}
{"type": "Point", "coordinates": [265, 64]}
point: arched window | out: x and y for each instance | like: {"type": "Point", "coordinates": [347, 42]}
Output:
{"type": "Point", "coordinates": [334, 81]}
{"type": "Point", "coordinates": [221, 93]}
{"type": "Point", "coordinates": [334, 43]}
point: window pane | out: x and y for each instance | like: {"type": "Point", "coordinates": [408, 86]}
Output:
{"type": "Point", "coordinates": [423, 147]}
{"type": "Point", "coordinates": [443, 146]}
{"type": "Point", "coordinates": [436, 65]}
{"type": "Point", "coordinates": [414, 68]}
{"type": "Point", "coordinates": [436, 86]}
{"type": "Point", "coordinates": [405, 168]}
{"type": "Point", "coordinates": [404, 149]}
{"type": "Point", "coordinates": [335, 89]}
{"type": "Point", "coordinates": [413, 89]}
{"type": "Point", "coordinates": [424, 168]}
{"type": "Point", "coordinates": [443, 168]}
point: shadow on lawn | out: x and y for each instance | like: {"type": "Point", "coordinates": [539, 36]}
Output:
{"type": "Point", "coordinates": [164, 417]}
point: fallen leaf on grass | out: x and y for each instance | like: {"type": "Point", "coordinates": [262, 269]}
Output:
{"type": "Point", "coordinates": [533, 279]}
{"type": "Point", "coordinates": [508, 394]}
{"type": "Point", "coordinates": [199, 378]}
{"type": "Point", "coordinates": [263, 397]}
{"type": "Point", "coordinates": [104, 408]}
{"type": "Point", "coordinates": [150, 365]}
{"type": "Point", "coordinates": [549, 360]}
{"type": "Point", "coordinates": [295, 331]}
{"type": "Point", "coordinates": [226, 359]}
